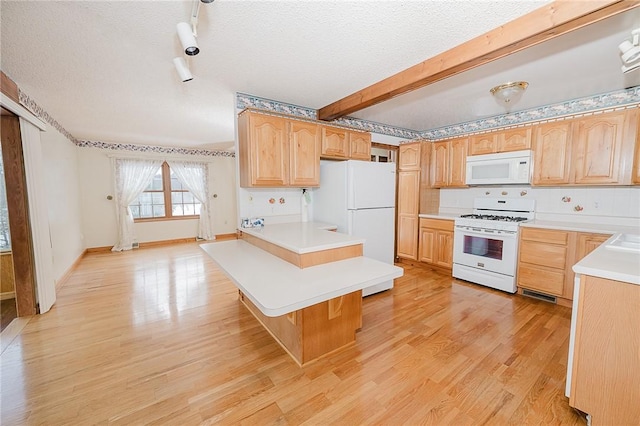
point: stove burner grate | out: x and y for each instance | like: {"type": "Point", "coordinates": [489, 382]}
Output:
{"type": "Point", "coordinates": [494, 217]}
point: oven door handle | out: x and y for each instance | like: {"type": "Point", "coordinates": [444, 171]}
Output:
{"type": "Point", "coordinates": [468, 231]}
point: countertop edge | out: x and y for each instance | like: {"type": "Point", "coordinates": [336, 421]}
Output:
{"type": "Point", "coordinates": [609, 264]}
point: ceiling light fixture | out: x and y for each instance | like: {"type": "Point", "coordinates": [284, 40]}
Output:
{"type": "Point", "coordinates": [187, 38]}
{"type": "Point", "coordinates": [630, 52]}
{"type": "Point", "coordinates": [508, 94]}
{"type": "Point", "coordinates": [187, 34]}
{"type": "Point", "coordinates": [183, 69]}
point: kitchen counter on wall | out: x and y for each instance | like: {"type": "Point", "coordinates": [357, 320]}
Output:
{"type": "Point", "coordinates": [303, 237]}
{"type": "Point", "coordinates": [444, 216]}
{"type": "Point", "coordinates": [598, 228]}
{"type": "Point", "coordinates": [611, 264]}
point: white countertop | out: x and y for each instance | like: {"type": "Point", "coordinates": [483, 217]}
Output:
{"type": "Point", "coordinates": [611, 264]}
{"type": "Point", "coordinates": [597, 228]}
{"type": "Point", "coordinates": [277, 287]}
{"type": "Point", "coordinates": [303, 237]}
{"type": "Point", "coordinates": [444, 216]}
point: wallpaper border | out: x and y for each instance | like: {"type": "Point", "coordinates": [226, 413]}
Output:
{"type": "Point", "coordinates": [614, 99]}
{"type": "Point", "coordinates": [40, 112]}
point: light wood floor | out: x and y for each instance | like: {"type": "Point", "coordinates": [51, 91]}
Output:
{"type": "Point", "coordinates": [157, 336]}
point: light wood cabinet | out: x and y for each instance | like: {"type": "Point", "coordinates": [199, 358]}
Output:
{"type": "Point", "coordinates": [304, 153]}
{"type": "Point", "coordinates": [408, 204]}
{"type": "Point", "coordinates": [515, 139]}
{"type": "Point", "coordinates": [483, 144]}
{"type": "Point", "coordinates": [605, 373]}
{"type": "Point", "coordinates": [593, 150]}
{"type": "Point", "coordinates": [504, 141]}
{"type": "Point", "coordinates": [552, 153]}
{"type": "Point", "coordinates": [439, 164]}
{"type": "Point", "coordinates": [457, 162]}
{"type": "Point", "coordinates": [448, 163]}
{"type": "Point", "coordinates": [264, 151]}
{"type": "Point", "coordinates": [277, 152]}
{"type": "Point", "coordinates": [409, 156]}
{"type": "Point", "coordinates": [342, 144]}
{"type": "Point", "coordinates": [335, 143]}
{"type": "Point", "coordinates": [436, 242]}
{"type": "Point", "coordinates": [598, 151]}
{"type": "Point", "coordinates": [546, 257]}
{"type": "Point", "coordinates": [360, 146]}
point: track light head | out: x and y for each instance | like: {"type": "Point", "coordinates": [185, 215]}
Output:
{"type": "Point", "coordinates": [183, 69]}
{"type": "Point", "coordinates": [188, 40]}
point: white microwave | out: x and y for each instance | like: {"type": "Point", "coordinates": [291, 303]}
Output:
{"type": "Point", "coordinates": [499, 169]}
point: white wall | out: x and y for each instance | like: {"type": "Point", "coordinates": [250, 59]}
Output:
{"type": "Point", "coordinates": [63, 199]}
{"type": "Point", "coordinates": [99, 224]}
{"type": "Point", "coordinates": [610, 205]}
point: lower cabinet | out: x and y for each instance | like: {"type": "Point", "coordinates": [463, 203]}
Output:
{"type": "Point", "coordinates": [604, 369]}
{"type": "Point", "coordinates": [547, 256]}
{"type": "Point", "coordinates": [407, 214]}
{"type": "Point", "coordinates": [435, 244]}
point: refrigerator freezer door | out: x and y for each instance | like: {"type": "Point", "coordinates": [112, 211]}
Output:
{"type": "Point", "coordinates": [370, 185]}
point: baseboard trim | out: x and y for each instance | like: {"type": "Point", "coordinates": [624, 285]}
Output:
{"type": "Point", "coordinates": [63, 279]}
{"type": "Point", "coordinates": [8, 295]}
{"type": "Point", "coordinates": [148, 244]}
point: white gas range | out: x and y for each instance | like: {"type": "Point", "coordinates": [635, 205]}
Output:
{"type": "Point", "coordinates": [485, 243]}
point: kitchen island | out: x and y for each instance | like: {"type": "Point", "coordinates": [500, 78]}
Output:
{"type": "Point", "coordinates": [603, 374]}
{"type": "Point", "coordinates": [309, 310]}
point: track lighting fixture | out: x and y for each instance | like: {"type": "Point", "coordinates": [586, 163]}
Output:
{"type": "Point", "coordinates": [188, 39]}
{"type": "Point", "coordinates": [187, 34]}
{"type": "Point", "coordinates": [630, 52]}
{"type": "Point", "coordinates": [183, 69]}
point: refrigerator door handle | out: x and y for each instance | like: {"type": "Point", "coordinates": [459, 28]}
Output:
{"type": "Point", "coordinates": [350, 219]}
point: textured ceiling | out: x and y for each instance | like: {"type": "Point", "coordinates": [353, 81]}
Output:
{"type": "Point", "coordinates": [104, 71]}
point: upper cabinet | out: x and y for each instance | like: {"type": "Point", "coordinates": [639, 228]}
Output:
{"type": "Point", "coordinates": [593, 150]}
{"type": "Point", "coordinates": [304, 155]}
{"type": "Point", "coordinates": [264, 151]}
{"type": "Point", "coordinates": [409, 156]}
{"type": "Point", "coordinates": [277, 152]}
{"type": "Point", "coordinates": [551, 153]}
{"type": "Point", "coordinates": [335, 143]}
{"type": "Point", "coordinates": [514, 139]}
{"type": "Point", "coordinates": [504, 141]}
{"type": "Point", "coordinates": [448, 163]}
{"type": "Point", "coordinates": [342, 144]}
{"type": "Point", "coordinates": [602, 152]}
{"type": "Point", "coordinates": [360, 146]}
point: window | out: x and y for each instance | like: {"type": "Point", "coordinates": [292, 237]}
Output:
{"type": "Point", "coordinates": [165, 190]}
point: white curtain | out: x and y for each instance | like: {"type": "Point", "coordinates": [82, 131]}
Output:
{"type": "Point", "coordinates": [131, 178]}
{"type": "Point", "coordinates": [194, 177]}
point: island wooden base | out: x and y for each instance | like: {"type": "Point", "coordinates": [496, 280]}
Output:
{"type": "Point", "coordinates": [309, 333]}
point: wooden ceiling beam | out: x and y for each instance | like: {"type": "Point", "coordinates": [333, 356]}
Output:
{"type": "Point", "coordinates": [543, 24]}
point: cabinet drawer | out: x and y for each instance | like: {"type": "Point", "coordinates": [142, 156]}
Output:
{"type": "Point", "coordinates": [542, 279]}
{"type": "Point", "coordinates": [441, 224]}
{"type": "Point", "coordinates": [545, 235]}
{"type": "Point", "coordinates": [550, 255]}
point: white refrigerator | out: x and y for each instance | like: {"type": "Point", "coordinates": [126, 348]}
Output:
{"type": "Point", "coordinates": [359, 198]}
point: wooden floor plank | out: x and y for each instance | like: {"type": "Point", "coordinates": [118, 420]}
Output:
{"type": "Point", "coordinates": [158, 336]}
